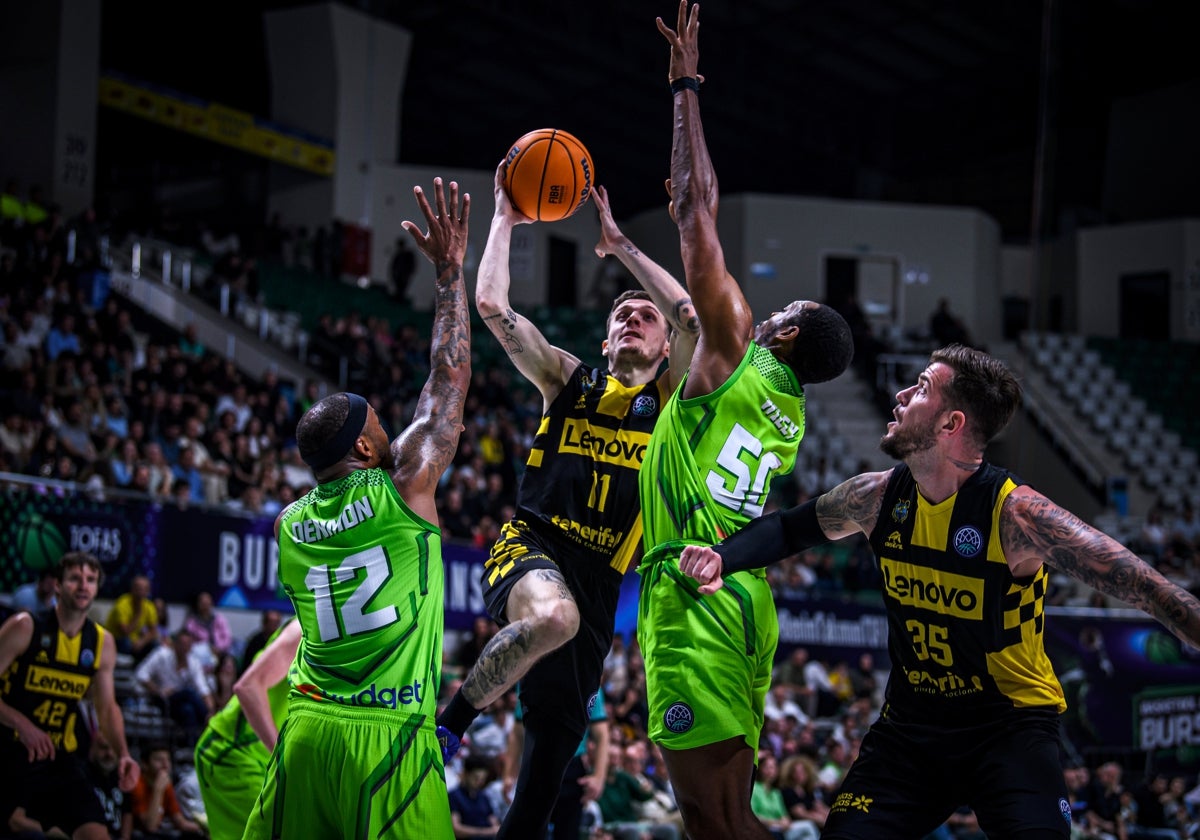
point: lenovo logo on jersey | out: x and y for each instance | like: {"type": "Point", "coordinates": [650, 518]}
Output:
{"type": "Point", "coordinates": [941, 592]}
{"type": "Point", "coordinates": [55, 682]}
{"type": "Point", "coordinates": [624, 448]}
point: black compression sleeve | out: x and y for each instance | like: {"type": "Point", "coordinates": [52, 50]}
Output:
{"type": "Point", "coordinates": [771, 538]}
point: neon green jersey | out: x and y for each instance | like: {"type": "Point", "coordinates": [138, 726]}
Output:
{"type": "Point", "coordinates": [365, 576]}
{"type": "Point", "coordinates": [712, 458]}
{"type": "Point", "coordinates": [230, 723]}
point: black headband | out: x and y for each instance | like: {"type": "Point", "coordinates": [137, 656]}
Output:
{"type": "Point", "coordinates": [336, 447]}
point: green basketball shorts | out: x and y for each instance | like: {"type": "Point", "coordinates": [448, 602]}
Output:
{"type": "Point", "coordinates": [708, 657]}
{"type": "Point", "coordinates": [349, 772]}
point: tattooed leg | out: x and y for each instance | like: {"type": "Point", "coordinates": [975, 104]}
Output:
{"type": "Point", "coordinates": [542, 617]}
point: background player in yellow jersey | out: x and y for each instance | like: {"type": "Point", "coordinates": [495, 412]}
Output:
{"type": "Point", "coordinates": [48, 662]}
{"type": "Point", "coordinates": [553, 579]}
{"type": "Point", "coordinates": [965, 549]}
{"type": "Point", "coordinates": [734, 424]}
{"type": "Point", "coordinates": [360, 558]}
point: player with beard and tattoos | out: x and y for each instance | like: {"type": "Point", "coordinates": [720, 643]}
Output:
{"type": "Point", "coordinates": [965, 549]}
{"type": "Point", "coordinates": [553, 578]}
{"type": "Point", "coordinates": [360, 557]}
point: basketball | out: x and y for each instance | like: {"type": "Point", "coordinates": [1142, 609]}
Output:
{"type": "Point", "coordinates": [548, 174]}
{"type": "Point", "coordinates": [39, 542]}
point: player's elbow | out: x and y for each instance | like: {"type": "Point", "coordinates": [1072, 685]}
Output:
{"type": "Point", "coordinates": [488, 303]}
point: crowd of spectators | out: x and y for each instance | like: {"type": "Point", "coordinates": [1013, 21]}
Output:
{"type": "Point", "coordinates": [97, 393]}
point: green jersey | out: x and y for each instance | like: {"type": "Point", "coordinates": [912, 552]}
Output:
{"type": "Point", "coordinates": [231, 724]}
{"type": "Point", "coordinates": [365, 576]}
{"type": "Point", "coordinates": [712, 458]}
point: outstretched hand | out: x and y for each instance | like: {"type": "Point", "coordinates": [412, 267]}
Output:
{"type": "Point", "coordinates": [685, 51]}
{"type": "Point", "coordinates": [610, 234]}
{"type": "Point", "coordinates": [704, 566]}
{"type": "Point", "coordinates": [446, 241]}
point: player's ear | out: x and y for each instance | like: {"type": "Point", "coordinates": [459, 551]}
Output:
{"type": "Point", "coordinates": [956, 421]}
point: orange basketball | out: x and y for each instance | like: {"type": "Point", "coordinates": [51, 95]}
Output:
{"type": "Point", "coordinates": [548, 174]}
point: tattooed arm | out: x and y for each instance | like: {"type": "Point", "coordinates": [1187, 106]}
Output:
{"type": "Point", "coordinates": [422, 452]}
{"type": "Point", "coordinates": [668, 294]}
{"type": "Point", "coordinates": [1034, 530]}
{"type": "Point", "coordinates": [546, 366]}
{"type": "Point", "coordinates": [851, 507]}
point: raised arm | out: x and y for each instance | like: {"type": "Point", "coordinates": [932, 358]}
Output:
{"type": "Point", "coordinates": [424, 450]}
{"type": "Point", "coordinates": [546, 366]}
{"type": "Point", "coordinates": [667, 293]}
{"type": "Point", "coordinates": [267, 669]}
{"type": "Point", "coordinates": [726, 321]}
{"type": "Point", "coordinates": [1034, 530]}
{"type": "Point", "coordinates": [851, 507]}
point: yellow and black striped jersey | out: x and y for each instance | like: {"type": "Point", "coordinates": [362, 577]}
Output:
{"type": "Point", "coordinates": [47, 681]}
{"type": "Point", "coordinates": [965, 636]}
{"type": "Point", "coordinates": [581, 478]}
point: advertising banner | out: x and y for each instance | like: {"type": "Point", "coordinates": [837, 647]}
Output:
{"type": "Point", "coordinates": [218, 123]}
{"type": "Point", "coordinates": [1129, 683]}
{"type": "Point", "coordinates": [39, 524]}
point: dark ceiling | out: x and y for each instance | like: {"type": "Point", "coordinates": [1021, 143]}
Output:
{"type": "Point", "coordinates": [928, 101]}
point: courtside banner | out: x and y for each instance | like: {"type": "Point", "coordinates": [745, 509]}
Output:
{"type": "Point", "coordinates": [40, 523]}
{"type": "Point", "coordinates": [1128, 681]}
{"type": "Point", "coordinates": [832, 630]}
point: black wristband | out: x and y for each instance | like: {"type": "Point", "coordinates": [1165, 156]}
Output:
{"type": "Point", "coordinates": [770, 538]}
{"type": "Point", "coordinates": [685, 83]}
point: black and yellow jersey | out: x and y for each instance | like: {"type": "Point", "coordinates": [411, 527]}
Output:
{"type": "Point", "coordinates": [965, 636]}
{"type": "Point", "coordinates": [581, 478]}
{"type": "Point", "coordinates": [48, 680]}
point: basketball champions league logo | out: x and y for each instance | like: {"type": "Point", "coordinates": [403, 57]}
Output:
{"type": "Point", "coordinates": [679, 718]}
{"type": "Point", "coordinates": [645, 405]}
{"type": "Point", "coordinates": [967, 541]}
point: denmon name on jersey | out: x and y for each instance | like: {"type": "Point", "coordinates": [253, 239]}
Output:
{"type": "Point", "coordinates": [315, 530]}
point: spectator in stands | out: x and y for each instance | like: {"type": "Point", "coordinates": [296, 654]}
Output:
{"type": "Point", "coordinates": [617, 801]}
{"type": "Point", "coordinates": [271, 619]}
{"type": "Point", "coordinates": [17, 439]}
{"type": "Point", "coordinates": [1103, 797]}
{"type": "Point", "coordinates": [208, 627]}
{"type": "Point", "coordinates": [798, 784]}
{"type": "Point", "coordinates": [400, 269]}
{"type": "Point", "coordinates": [133, 620]}
{"type": "Point", "coordinates": [102, 773]}
{"type": "Point", "coordinates": [471, 812]}
{"type": "Point", "coordinates": [236, 402]}
{"type": "Point", "coordinates": [1185, 532]}
{"type": "Point", "coordinates": [74, 435]}
{"type": "Point", "coordinates": [766, 801]}
{"type": "Point", "coordinates": [863, 678]}
{"type": "Point", "coordinates": [63, 338]}
{"type": "Point", "coordinates": [224, 676]}
{"type": "Point", "coordinates": [947, 328]}
{"type": "Point", "coordinates": [173, 678]}
{"type": "Point", "coordinates": [154, 800]}
{"type": "Point", "coordinates": [186, 474]}
{"type": "Point", "coordinates": [1153, 537]}
{"type": "Point", "coordinates": [38, 595]}
{"type": "Point", "coordinates": [661, 808]}
{"type": "Point", "coordinates": [482, 631]}
{"type": "Point", "coordinates": [160, 473]}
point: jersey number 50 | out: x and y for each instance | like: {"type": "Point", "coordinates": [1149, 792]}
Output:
{"type": "Point", "coordinates": [747, 493]}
